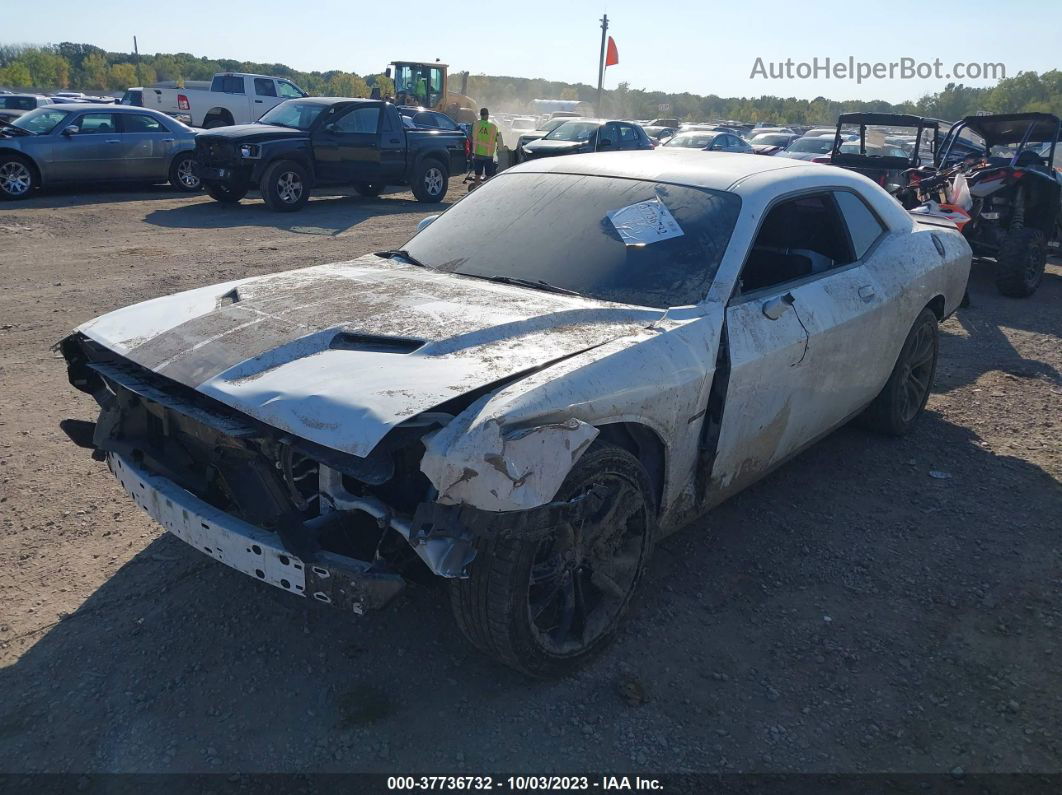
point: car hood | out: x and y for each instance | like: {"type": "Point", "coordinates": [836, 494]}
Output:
{"type": "Point", "coordinates": [544, 147]}
{"type": "Point", "coordinates": [339, 354]}
{"type": "Point", "coordinates": [253, 132]}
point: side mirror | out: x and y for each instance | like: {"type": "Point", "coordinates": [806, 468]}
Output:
{"type": "Point", "coordinates": [387, 71]}
{"type": "Point", "coordinates": [70, 130]}
{"type": "Point", "coordinates": [330, 127]}
{"type": "Point", "coordinates": [426, 222]}
{"type": "Point", "coordinates": [604, 143]}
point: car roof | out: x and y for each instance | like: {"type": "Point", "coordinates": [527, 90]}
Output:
{"type": "Point", "coordinates": [109, 106]}
{"type": "Point", "coordinates": [713, 170]}
{"type": "Point", "coordinates": [334, 100]}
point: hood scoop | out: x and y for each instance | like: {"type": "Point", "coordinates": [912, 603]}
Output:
{"type": "Point", "coordinates": [372, 343]}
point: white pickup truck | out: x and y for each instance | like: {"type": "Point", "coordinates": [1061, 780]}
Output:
{"type": "Point", "coordinates": [230, 98]}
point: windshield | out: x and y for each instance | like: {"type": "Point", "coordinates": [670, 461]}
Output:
{"type": "Point", "coordinates": [553, 124]}
{"type": "Point", "coordinates": [294, 114]}
{"type": "Point", "coordinates": [692, 140]}
{"type": "Point", "coordinates": [555, 228]}
{"type": "Point", "coordinates": [771, 139]}
{"type": "Point", "coordinates": [572, 131]}
{"type": "Point", "coordinates": [41, 121]}
{"type": "Point", "coordinates": [818, 146]}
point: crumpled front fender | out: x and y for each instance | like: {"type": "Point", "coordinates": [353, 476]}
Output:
{"type": "Point", "coordinates": [478, 461]}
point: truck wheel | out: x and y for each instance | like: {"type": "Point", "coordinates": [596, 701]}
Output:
{"type": "Point", "coordinates": [17, 177]}
{"type": "Point", "coordinates": [904, 395]}
{"type": "Point", "coordinates": [226, 194]}
{"type": "Point", "coordinates": [1020, 262]}
{"type": "Point", "coordinates": [285, 186]}
{"type": "Point", "coordinates": [184, 173]}
{"type": "Point", "coordinates": [430, 181]}
{"type": "Point", "coordinates": [545, 605]}
{"type": "Point", "coordinates": [369, 188]}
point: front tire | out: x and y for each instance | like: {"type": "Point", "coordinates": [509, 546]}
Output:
{"type": "Point", "coordinates": [544, 606]}
{"type": "Point", "coordinates": [898, 405]}
{"type": "Point", "coordinates": [1020, 262]}
{"type": "Point", "coordinates": [430, 181]}
{"type": "Point", "coordinates": [285, 186]}
{"type": "Point", "coordinates": [184, 175]}
{"type": "Point", "coordinates": [226, 194]}
{"type": "Point", "coordinates": [17, 178]}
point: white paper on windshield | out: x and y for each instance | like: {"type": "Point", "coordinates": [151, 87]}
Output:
{"type": "Point", "coordinates": [645, 222]}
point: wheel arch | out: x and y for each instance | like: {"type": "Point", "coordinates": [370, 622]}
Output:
{"type": "Point", "coordinates": [937, 304]}
{"type": "Point", "coordinates": [220, 113]}
{"type": "Point", "coordinates": [645, 444]}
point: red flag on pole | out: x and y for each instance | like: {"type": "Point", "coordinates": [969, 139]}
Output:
{"type": "Point", "coordinates": [612, 55]}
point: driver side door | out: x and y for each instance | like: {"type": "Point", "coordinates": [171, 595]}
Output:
{"type": "Point", "coordinates": [807, 333]}
{"type": "Point", "coordinates": [347, 146]}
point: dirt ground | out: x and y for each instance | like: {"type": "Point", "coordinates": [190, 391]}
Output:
{"type": "Point", "coordinates": [874, 605]}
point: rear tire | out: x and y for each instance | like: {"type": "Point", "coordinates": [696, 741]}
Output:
{"type": "Point", "coordinates": [430, 181]}
{"type": "Point", "coordinates": [544, 606]}
{"type": "Point", "coordinates": [370, 190]}
{"type": "Point", "coordinates": [215, 122]}
{"type": "Point", "coordinates": [17, 177]}
{"type": "Point", "coordinates": [184, 175]}
{"type": "Point", "coordinates": [901, 401]}
{"type": "Point", "coordinates": [1020, 262]}
{"type": "Point", "coordinates": [226, 194]}
{"type": "Point", "coordinates": [285, 186]}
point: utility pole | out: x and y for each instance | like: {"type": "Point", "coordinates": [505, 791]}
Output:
{"type": "Point", "coordinates": [601, 64]}
{"type": "Point", "coordinates": [136, 50]}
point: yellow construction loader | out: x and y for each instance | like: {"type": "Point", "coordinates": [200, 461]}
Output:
{"type": "Point", "coordinates": [425, 84]}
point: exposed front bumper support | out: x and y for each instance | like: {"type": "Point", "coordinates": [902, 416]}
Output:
{"type": "Point", "coordinates": [332, 579]}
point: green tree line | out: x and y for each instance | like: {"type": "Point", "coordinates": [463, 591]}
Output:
{"type": "Point", "coordinates": [85, 67]}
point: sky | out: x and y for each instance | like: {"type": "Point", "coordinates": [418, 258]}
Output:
{"type": "Point", "coordinates": [673, 45]}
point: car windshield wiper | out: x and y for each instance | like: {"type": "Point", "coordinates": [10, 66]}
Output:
{"type": "Point", "coordinates": [534, 284]}
{"type": "Point", "coordinates": [401, 253]}
{"type": "Point", "coordinates": [9, 126]}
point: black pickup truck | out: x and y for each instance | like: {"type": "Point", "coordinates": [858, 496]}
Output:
{"type": "Point", "coordinates": [318, 141]}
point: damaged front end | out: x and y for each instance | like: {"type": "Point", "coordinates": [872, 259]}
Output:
{"type": "Point", "coordinates": [323, 524]}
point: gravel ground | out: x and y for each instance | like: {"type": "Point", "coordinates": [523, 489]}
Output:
{"type": "Point", "coordinates": [874, 605]}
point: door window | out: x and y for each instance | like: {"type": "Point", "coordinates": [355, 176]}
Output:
{"type": "Point", "coordinates": [628, 137]}
{"type": "Point", "coordinates": [141, 123]}
{"type": "Point", "coordinates": [227, 84]}
{"type": "Point", "coordinates": [863, 225]}
{"type": "Point", "coordinates": [359, 120]}
{"type": "Point", "coordinates": [264, 87]}
{"type": "Point", "coordinates": [607, 133]}
{"type": "Point", "coordinates": [288, 90]}
{"type": "Point", "coordinates": [97, 123]}
{"type": "Point", "coordinates": [798, 238]}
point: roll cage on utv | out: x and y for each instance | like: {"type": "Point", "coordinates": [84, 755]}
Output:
{"type": "Point", "coordinates": [1016, 215]}
{"type": "Point", "coordinates": [889, 145]}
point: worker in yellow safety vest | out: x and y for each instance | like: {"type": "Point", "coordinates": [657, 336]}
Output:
{"type": "Point", "coordinates": [486, 138]}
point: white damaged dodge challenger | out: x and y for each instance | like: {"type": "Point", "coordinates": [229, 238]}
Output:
{"type": "Point", "coordinates": [570, 362]}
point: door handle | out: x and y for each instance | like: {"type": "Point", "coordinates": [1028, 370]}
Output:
{"type": "Point", "coordinates": [395, 141]}
{"type": "Point", "coordinates": [112, 141]}
{"type": "Point", "coordinates": [258, 101]}
{"type": "Point", "coordinates": [167, 140]}
{"type": "Point", "coordinates": [866, 292]}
